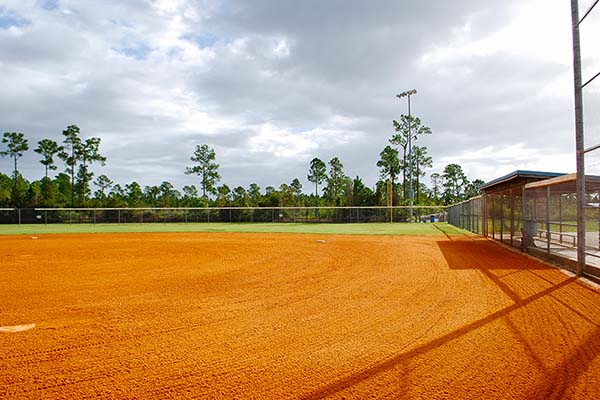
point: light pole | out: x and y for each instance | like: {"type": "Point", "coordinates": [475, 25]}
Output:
{"type": "Point", "coordinates": [579, 137]}
{"type": "Point", "coordinates": [408, 93]}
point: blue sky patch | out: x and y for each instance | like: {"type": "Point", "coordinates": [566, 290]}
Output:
{"type": "Point", "coordinates": [9, 18]}
{"type": "Point", "coordinates": [48, 4]}
{"type": "Point", "coordinates": [202, 41]}
{"type": "Point", "coordinates": [138, 52]}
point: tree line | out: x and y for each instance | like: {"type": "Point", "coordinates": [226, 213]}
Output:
{"type": "Point", "coordinates": [71, 187]}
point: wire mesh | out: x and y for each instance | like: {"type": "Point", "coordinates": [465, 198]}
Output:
{"type": "Point", "coordinates": [223, 214]}
{"type": "Point", "coordinates": [468, 215]}
{"type": "Point", "coordinates": [540, 218]}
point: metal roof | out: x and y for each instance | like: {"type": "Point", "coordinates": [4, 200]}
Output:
{"type": "Point", "coordinates": [567, 183]}
{"type": "Point", "coordinates": [521, 174]}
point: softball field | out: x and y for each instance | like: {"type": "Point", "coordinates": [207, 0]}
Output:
{"type": "Point", "coordinates": [298, 316]}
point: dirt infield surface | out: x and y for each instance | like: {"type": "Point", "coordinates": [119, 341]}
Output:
{"type": "Point", "coordinates": [204, 315]}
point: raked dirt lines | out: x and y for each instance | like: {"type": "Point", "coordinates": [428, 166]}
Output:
{"type": "Point", "coordinates": [235, 315]}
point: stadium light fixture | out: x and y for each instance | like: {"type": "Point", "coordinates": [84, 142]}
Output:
{"type": "Point", "coordinates": [409, 93]}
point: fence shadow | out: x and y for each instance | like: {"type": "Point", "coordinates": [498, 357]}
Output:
{"type": "Point", "coordinates": [483, 254]}
{"type": "Point", "coordinates": [486, 256]}
{"type": "Point", "coordinates": [401, 359]}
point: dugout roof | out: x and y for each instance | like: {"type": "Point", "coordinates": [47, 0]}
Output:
{"type": "Point", "coordinates": [517, 179]}
{"type": "Point", "coordinates": [567, 184]}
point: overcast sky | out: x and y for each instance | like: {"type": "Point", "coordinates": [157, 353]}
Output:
{"type": "Point", "coordinates": [271, 84]}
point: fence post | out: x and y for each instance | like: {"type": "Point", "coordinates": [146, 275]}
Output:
{"type": "Point", "coordinates": [523, 209]}
{"type": "Point", "coordinates": [45, 217]}
{"type": "Point", "coordinates": [548, 219]}
{"type": "Point", "coordinates": [473, 219]}
{"type": "Point", "coordinates": [470, 215]}
{"type": "Point", "coordinates": [598, 247]}
{"type": "Point", "coordinates": [484, 215]}
{"type": "Point", "coordinates": [119, 217]}
{"type": "Point", "coordinates": [94, 216]}
{"type": "Point", "coordinates": [19, 215]}
{"type": "Point", "coordinates": [273, 215]}
{"type": "Point", "coordinates": [502, 217]}
{"type": "Point", "coordinates": [493, 216]}
{"type": "Point", "coordinates": [560, 225]}
{"type": "Point", "coordinates": [477, 216]}
{"type": "Point", "coordinates": [512, 216]}
{"type": "Point", "coordinates": [534, 212]}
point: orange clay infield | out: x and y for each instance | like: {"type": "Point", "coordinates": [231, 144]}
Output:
{"type": "Point", "coordinates": [213, 315]}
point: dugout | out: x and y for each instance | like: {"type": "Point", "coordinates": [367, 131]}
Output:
{"type": "Point", "coordinates": [498, 211]}
{"type": "Point", "coordinates": [536, 212]}
{"type": "Point", "coordinates": [504, 202]}
{"type": "Point", "coordinates": [552, 203]}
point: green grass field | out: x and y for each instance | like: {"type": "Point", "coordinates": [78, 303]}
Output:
{"type": "Point", "coordinates": [338, 229]}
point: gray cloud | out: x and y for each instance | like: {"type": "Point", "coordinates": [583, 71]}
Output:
{"type": "Point", "coordinates": [272, 84]}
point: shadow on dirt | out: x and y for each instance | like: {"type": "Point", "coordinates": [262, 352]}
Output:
{"type": "Point", "coordinates": [401, 359]}
{"type": "Point", "coordinates": [489, 258]}
{"type": "Point", "coordinates": [484, 255]}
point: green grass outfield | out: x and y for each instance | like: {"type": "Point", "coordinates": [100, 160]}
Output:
{"type": "Point", "coordinates": [338, 229]}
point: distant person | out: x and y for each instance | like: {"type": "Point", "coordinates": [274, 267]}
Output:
{"type": "Point", "coordinates": [526, 241]}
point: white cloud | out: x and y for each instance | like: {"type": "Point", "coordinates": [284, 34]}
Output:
{"type": "Point", "coordinates": [281, 49]}
{"type": "Point", "coordinates": [273, 84]}
{"type": "Point", "coordinates": [281, 142]}
{"type": "Point", "coordinates": [284, 144]}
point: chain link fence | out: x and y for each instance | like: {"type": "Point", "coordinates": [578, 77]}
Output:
{"type": "Point", "coordinates": [539, 218]}
{"type": "Point", "coordinates": [468, 215]}
{"type": "Point", "coordinates": [222, 214]}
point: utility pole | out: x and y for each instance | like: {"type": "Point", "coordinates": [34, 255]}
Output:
{"type": "Point", "coordinates": [579, 137]}
{"type": "Point", "coordinates": [580, 156]}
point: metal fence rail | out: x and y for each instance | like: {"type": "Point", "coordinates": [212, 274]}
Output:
{"type": "Point", "coordinates": [364, 214]}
